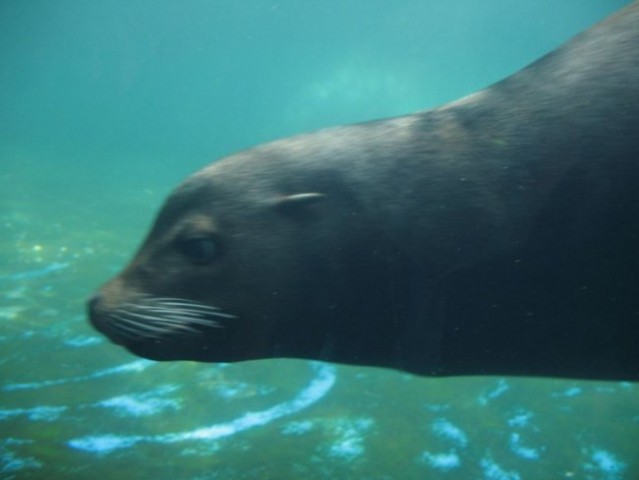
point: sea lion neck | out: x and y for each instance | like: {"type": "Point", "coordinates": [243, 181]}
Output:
{"type": "Point", "coordinates": [506, 149]}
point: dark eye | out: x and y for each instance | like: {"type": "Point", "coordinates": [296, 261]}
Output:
{"type": "Point", "coordinates": [199, 250]}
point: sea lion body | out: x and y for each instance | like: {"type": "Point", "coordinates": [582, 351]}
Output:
{"type": "Point", "coordinates": [494, 235]}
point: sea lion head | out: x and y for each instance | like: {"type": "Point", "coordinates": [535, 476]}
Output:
{"type": "Point", "coordinates": [254, 256]}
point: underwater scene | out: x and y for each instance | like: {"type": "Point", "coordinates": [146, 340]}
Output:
{"type": "Point", "coordinates": [106, 106]}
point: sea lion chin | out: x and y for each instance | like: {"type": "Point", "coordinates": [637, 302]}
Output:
{"type": "Point", "coordinates": [494, 235]}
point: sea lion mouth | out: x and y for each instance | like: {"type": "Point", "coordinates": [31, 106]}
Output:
{"type": "Point", "coordinates": [150, 319]}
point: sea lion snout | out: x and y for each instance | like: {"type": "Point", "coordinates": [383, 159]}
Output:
{"type": "Point", "coordinates": [93, 301]}
{"type": "Point", "coordinates": [97, 316]}
{"type": "Point", "coordinates": [92, 308]}
{"type": "Point", "coordinates": [161, 328]}
{"type": "Point", "coordinates": [100, 305]}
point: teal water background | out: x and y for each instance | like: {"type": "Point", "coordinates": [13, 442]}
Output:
{"type": "Point", "coordinates": [105, 106]}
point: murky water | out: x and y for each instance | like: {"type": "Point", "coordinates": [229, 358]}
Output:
{"type": "Point", "coordinates": [105, 108]}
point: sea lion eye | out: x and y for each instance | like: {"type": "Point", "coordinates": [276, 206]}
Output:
{"type": "Point", "coordinates": [200, 250]}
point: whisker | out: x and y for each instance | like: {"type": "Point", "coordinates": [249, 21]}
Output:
{"type": "Point", "coordinates": [174, 302]}
{"type": "Point", "coordinates": [131, 332]}
{"type": "Point", "coordinates": [149, 317]}
{"type": "Point", "coordinates": [132, 313]}
{"type": "Point", "coordinates": [163, 312]}
{"type": "Point", "coordinates": [186, 309]}
{"type": "Point", "coordinates": [189, 313]}
{"type": "Point", "coordinates": [139, 327]}
{"type": "Point", "coordinates": [175, 322]}
{"type": "Point", "coordinates": [123, 331]}
{"type": "Point", "coordinates": [195, 321]}
{"type": "Point", "coordinates": [172, 311]}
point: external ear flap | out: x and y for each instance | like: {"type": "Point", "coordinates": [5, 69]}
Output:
{"type": "Point", "coordinates": [298, 202]}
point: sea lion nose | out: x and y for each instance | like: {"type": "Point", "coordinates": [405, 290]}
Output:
{"type": "Point", "coordinates": [93, 302]}
{"type": "Point", "coordinates": [94, 305]}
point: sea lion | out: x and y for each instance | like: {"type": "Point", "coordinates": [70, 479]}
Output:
{"type": "Point", "coordinates": [497, 234]}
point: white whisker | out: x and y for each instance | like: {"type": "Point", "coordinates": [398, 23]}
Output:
{"type": "Point", "coordinates": [161, 317]}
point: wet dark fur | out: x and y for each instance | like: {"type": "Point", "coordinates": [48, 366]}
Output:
{"type": "Point", "coordinates": [494, 235]}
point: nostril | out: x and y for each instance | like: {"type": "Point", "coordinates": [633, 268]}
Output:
{"type": "Point", "coordinates": [93, 301]}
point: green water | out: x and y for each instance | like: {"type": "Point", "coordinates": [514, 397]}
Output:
{"type": "Point", "coordinates": [105, 106]}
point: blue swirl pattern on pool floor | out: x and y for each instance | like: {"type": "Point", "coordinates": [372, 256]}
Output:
{"type": "Point", "coordinates": [319, 386]}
